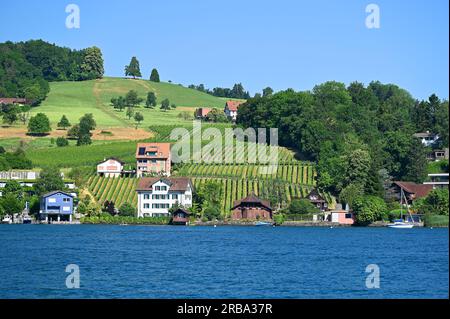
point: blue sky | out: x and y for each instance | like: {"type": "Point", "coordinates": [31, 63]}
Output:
{"type": "Point", "coordinates": [282, 44]}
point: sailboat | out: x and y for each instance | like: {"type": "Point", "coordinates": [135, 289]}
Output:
{"type": "Point", "coordinates": [400, 223]}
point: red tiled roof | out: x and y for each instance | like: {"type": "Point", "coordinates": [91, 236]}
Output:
{"type": "Point", "coordinates": [176, 183]}
{"type": "Point", "coordinates": [203, 111]}
{"type": "Point", "coordinates": [252, 199]}
{"type": "Point", "coordinates": [233, 105]}
{"type": "Point", "coordinates": [162, 150]}
{"type": "Point", "coordinates": [420, 190]}
{"type": "Point", "coordinates": [12, 100]}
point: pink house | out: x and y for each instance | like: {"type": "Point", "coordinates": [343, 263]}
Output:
{"type": "Point", "coordinates": [344, 217]}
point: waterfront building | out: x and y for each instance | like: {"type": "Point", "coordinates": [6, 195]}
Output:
{"type": "Point", "coordinates": [251, 207]}
{"type": "Point", "coordinates": [56, 206]}
{"type": "Point", "coordinates": [156, 195]}
{"type": "Point", "coordinates": [180, 216]}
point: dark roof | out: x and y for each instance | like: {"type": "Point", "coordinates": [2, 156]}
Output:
{"type": "Point", "coordinates": [424, 134]}
{"type": "Point", "coordinates": [252, 199]}
{"type": "Point", "coordinates": [319, 199]}
{"type": "Point", "coordinates": [176, 183]}
{"type": "Point", "coordinates": [420, 190]}
{"type": "Point", "coordinates": [180, 209]}
{"type": "Point", "coordinates": [56, 192]}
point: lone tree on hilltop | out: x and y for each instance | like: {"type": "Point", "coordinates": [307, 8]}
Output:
{"type": "Point", "coordinates": [154, 76]}
{"type": "Point", "coordinates": [133, 68]}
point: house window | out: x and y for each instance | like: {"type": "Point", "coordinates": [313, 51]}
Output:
{"type": "Point", "coordinates": [157, 188]}
{"type": "Point", "coordinates": [348, 216]}
{"type": "Point", "coordinates": [163, 188]}
{"type": "Point", "coordinates": [146, 206]}
{"type": "Point", "coordinates": [52, 200]}
{"type": "Point", "coordinates": [66, 199]}
{"type": "Point", "coordinates": [175, 196]}
{"type": "Point", "coordinates": [146, 196]}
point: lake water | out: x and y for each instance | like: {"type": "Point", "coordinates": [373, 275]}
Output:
{"type": "Point", "coordinates": [222, 262]}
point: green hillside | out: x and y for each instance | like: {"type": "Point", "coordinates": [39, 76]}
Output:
{"type": "Point", "coordinates": [76, 98]}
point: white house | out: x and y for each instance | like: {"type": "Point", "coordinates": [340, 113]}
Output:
{"type": "Point", "coordinates": [427, 138]}
{"type": "Point", "coordinates": [111, 167]}
{"type": "Point", "coordinates": [231, 109]}
{"type": "Point", "coordinates": [156, 195]}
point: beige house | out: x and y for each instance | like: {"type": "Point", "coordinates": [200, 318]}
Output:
{"type": "Point", "coordinates": [153, 159]}
{"type": "Point", "coordinates": [111, 167]}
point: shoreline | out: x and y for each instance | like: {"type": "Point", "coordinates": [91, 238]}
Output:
{"type": "Point", "coordinates": [240, 224]}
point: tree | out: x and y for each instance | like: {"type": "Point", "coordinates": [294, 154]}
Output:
{"type": "Point", "coordinates": [118, 103]}
{"type": "Point", "coordinates": [133, 68]}
{"type": "Point", "coordinates": [132, 99]}
{"type": "Point", "coordinates": [11, 204]}
{"type": "Point", "coordinates": [216, 116]}
{"type": "Point", "coordinates": [49, 180]}
{"type": "Point", "coordinates": [39, 124]}
{"type": "Point", "coordinates": [267, 91]}
{"type": "Point", "coordinates": [93, 209]}
{"type": "Point", "coordinates": [130, 112]}
{"type": "Point", "coordinates": [302, 206]}
{"type": "Point", "coordinates": [416, 163]}
{"type": "Point", "coordinates": [73, 132]}
{"type": "Point", "coordinates": [10, 114]}
{"type": "Point", "coordinates": [92, 65]}
{"type": "Point", "coordinates": [154, 76]}
{"type": "Point", "coordinates": [87, 123]}
{"type": "Point", "coordinates": [138, 117]}
{"type": "Point", "coordinates": [350, 192]}
{"type": "Point", "coordinates": [211, 212]}
{"type": "Point", "coordinates": [435, 203]}
{"type": "Point", "coordinates": [127, 209]}
{"type": "Point", "coordinates": [173, 106]}
{"type": "Point", "coordinates": [109, 207]}
{"type": "Point", "coordinates": [61, 142]}
{"type": "Point", "coordinates": [24, 113]}
{"type": "Point", "coordinates": [165, 104]}
{"type": "Point", "coordinates": [13, 187]}
{"type": "Point", "coordinates": [151, 100]}
{"type": "Point", "coordinates": [64, 123]}
{"type": "Point", "coordinates": [368, 209]}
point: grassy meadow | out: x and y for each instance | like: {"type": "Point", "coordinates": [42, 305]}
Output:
{"type": "Point", "coordinates": [77, 98]}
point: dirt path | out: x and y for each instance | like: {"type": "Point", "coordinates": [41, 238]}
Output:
{"type": "Point", "coordinates": [108, 134]}
{"type": "Point", "coordinates": [98, 102]}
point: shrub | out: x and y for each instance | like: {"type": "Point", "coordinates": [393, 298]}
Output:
{"type": "Point", "coordinates": [302, 206]}
{"type": "Point", "coordinates": [435, 221]}
{"type": "Point", "coordinates": [61, 142]}
{"type": "Point", "coordinates": [127, 210]}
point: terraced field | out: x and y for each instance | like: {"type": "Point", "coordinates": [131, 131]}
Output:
{"type": "Point", "coordinates": [120, 190]}
{"type": "Point", "coordinates": [291, 181]}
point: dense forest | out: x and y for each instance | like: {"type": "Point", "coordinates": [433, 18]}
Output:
{"type": "Point", "coordinates": [27, 67]}
{"type": "Point", "coordinates": [361, 137]}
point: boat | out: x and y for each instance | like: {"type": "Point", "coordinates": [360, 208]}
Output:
{"type": "Point", "coordinates": [400, 223]}
{"type": "Point", "coordinates": [261, 223]}
{"type": "Point", "coordinates": [26, 220]}
{"type": "Point", "coordinates": [7, 219]}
